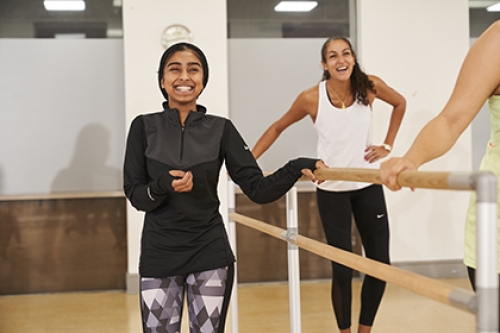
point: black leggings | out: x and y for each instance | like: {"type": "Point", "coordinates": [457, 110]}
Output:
{"type": "Point", "coordinates": [370, 213]}
{"type": "Point", "coordinates": [472, 277]}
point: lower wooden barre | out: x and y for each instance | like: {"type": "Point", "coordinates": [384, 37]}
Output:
{"type": "Point", "coordinates": [439, 291]}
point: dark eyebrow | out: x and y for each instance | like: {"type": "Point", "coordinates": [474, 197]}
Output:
{"type": "Point", "coordinates": [173, 63]}
{"type": "Point", "coordinates": [346, 49]}
{"type": "Point", "coordinates": [179, 64]}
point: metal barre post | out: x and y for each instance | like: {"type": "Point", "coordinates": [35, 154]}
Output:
{"type": "Point", "coordinates": [485, 184]}
{"type": "Point", "coordinates": [293, 262]}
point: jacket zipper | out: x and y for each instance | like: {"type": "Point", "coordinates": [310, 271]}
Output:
{"type": "Point", "coordinates": [183, 128]}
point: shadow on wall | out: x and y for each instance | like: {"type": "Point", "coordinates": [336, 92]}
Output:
{"type": "Point", "coordinates": [88, 170]}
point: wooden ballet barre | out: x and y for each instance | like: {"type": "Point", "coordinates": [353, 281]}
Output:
{"type": "Point", "coordinates": [445, 293]}
{"type": "Point", "coordinates": [415, 179]}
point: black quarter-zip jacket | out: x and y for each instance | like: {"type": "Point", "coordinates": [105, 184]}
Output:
{"type": "Point", "coordinates": [184, 233]}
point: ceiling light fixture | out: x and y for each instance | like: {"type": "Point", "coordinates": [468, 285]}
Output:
{"type": "Point", "coordinates": [295, 6]}
{"type": "Point", "coordinates": [494, 8]}
{"type": "Point", "coordinates": [64, 5]}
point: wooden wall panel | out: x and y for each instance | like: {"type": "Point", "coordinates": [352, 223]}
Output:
{"type": "Point", "coordinates": [62, 245]}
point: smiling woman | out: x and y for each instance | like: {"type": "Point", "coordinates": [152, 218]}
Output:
{"type": "Point", "coordinates": [172, 165]}
{"type": "Point", "coordinates": [340, 107]}
{"type": "Point", "coordinates": [183, 78]}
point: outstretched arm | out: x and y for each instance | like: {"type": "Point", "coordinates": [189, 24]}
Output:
{"type": "Point", "coordinates": [244, 170]}
{"type": "Point", "coordinates": [478, 79]}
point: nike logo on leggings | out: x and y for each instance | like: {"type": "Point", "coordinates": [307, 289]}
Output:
{"type": "Point", "coordinates": [379, 216]}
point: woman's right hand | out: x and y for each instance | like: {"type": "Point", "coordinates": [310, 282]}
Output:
{"type": "Point", "coordinates": [309, 173]}
{"type": "Point", "coordinates": [390, 170]}
{"type": "Point", "coordinates": [183, 181]}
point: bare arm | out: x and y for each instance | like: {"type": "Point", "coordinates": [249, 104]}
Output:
{"type": "Point", "coordinates": [301, 107]}
{"type": "Point", "coordinates": [398, 102]}
{"type": "Point", "coordinates": [478, 79]}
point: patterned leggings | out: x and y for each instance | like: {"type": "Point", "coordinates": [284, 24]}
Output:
{"type": "Point", "coordinates": [208, 295]}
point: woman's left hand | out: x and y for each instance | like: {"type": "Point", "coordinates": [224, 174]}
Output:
{"type": "Point", "coordinates": [183, 181]}
{"type": "Point", "coordinates": [374, 153]}
{"type": "Point", "coordinates": [308, 172]}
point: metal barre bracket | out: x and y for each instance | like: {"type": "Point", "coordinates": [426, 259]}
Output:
{"type": "Point", "coordinates": [290, 236]}
{"type": "Point", "coordinates": [463, 300]}
{"type": "Point", "coordinates": [485, 184]}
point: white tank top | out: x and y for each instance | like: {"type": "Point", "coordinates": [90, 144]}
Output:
{"type": "Point", "coordinates": [343, 136]}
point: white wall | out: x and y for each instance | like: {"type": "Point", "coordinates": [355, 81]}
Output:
{"type": "Point", "coordinates": [418, 47]}
{"type": "Point", "coordinates": [265, 76]}
{"type": "Point", "coordinates": [143, 24]}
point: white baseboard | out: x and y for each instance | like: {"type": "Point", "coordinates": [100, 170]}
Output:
{"type": "Point", "coordinates": [132, 282]}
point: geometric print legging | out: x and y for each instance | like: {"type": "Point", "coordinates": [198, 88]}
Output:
{"type": "Point", "coordinates": [208, 295]}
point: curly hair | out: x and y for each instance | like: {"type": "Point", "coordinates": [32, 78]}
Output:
{"type": "Point", "coordinates": [360, 83]}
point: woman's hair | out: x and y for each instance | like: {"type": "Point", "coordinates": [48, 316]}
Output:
{"type": "Point", "coordinates": [360, 83]}
{"type": "Point", "coordinates": [182, 47]}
